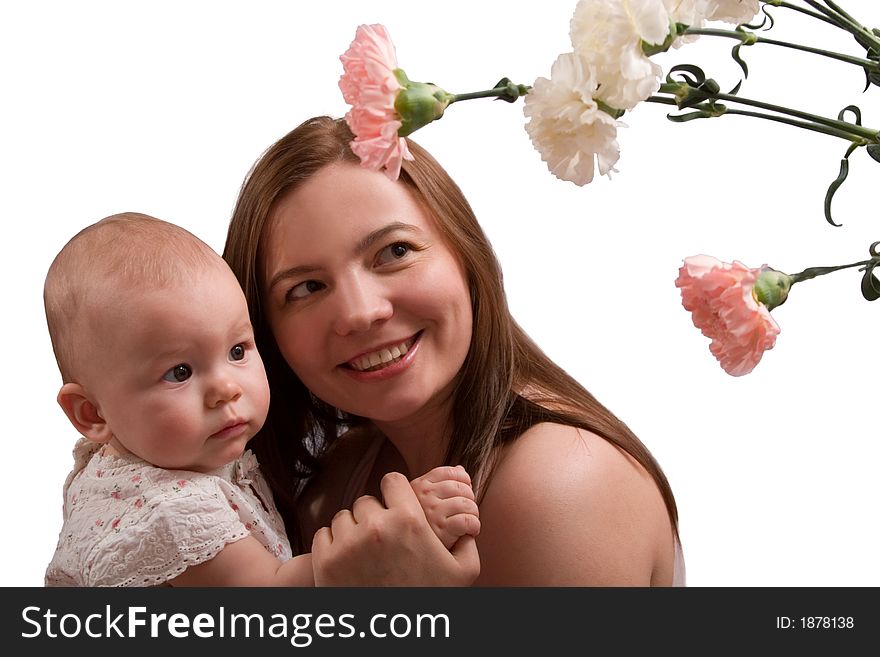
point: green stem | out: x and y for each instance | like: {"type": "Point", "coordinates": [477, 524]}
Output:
{"type": "Point", "coordinates": [788, 5]}
{"type": "Point", "coordinates": [835, 7]}
{"type": "Point", "coordinates": [750, 38]}
{"type": "Point", "coordinates": [813, 272]}
{"type": "Point", "coordinates": [488, 93]}
{"type": "Point", "coordinates": [662, 100]}
{"type": "Point", "coordinates": [825, 130]}
{"type": "Point", "coordinates": [509, 92]}
{"type": "Point", "coordinates": [836, 18]}
{"type": "Point", "coordinates": [833, 14]}
{"type": "Point", "coordinates": [854, 131]}
{"type": "Point", "coordinates": [852, 128]}
{"type": "Point", "coordinates": [845, 21]}
{"type": "Point", "coordinates": [712, 112]}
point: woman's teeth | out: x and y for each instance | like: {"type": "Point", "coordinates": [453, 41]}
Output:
{"type": "Point", "coordinates": [382, 358]}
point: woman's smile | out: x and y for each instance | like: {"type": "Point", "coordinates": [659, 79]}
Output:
{"type": "Point", "coordinates": [392, 361]}
{"type": "Point", "coordinates": [381, 357]}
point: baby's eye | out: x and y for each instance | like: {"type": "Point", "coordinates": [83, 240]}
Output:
{"type": "Point", "coordinates": [304, 289]}
{"type": "Point", "coordinates": [178, 373]}
{"type": "Point", "coordinates": [237, 352]}
{"type": "Point", "coordinates": [393, 252]}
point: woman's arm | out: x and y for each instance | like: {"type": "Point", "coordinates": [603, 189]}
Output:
{"type": "Point", "coordinates": [567, 508]}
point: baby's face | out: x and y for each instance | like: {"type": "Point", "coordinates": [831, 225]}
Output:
{"type": "Point", "coordinates": [177, 376]}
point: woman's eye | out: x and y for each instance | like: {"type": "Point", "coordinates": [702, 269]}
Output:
{"type": "Point", "coordinates": [178, 373]}
{"type": "Point", "coordinates": [304, 289]}
{"type": "Point", "coordinates": [393, 252]}
{"type": "Point", "coordinates": [237, 352]}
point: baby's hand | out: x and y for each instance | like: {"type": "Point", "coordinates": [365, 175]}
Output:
{"type": "Point", "coordinates": [447, 499]}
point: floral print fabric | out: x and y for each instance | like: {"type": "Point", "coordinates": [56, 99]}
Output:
{"type": "Point", "coordinates": [128, 523]}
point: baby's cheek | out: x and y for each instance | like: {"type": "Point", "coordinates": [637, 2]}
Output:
{"type": "Point", "coordinates": [258, 389]}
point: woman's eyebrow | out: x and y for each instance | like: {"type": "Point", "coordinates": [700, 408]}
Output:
{"type": "Point", "coordinates": [291, 272]}
{"type": "Point", "coordinates": [376, 235]}
{"type": "Point", "coordinates": [362, 246]}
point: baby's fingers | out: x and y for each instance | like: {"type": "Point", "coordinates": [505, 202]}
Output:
{"type": "Point", "coordinates": [452, 518]}
{"type": "Point", "coordinates": [438, 510]}
{"type": "Point", "coordinates": [462, 524]}
{"type": "Point", "coordinates": [452, 506]}
{"type": "Point", "coordinates": [444, 472]}
{"type": "Point", "coordinates": [445, 489]}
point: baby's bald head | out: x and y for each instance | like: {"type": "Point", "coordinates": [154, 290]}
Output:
{"type": "Point", "coordinates": [108, 264]}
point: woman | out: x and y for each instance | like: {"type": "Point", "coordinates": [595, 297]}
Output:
{"type": "Point", "coordinates": [380, 311]}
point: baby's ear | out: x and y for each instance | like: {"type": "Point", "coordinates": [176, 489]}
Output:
{"type": "Point", "coordinates": [83, 413]}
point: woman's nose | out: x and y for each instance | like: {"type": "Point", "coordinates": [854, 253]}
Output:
{"type": "Point", "coordinates": [222, 389]}
{"type": "Point", "coordinates": [360, 303]}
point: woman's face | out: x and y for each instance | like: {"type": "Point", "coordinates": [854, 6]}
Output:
{"type": "Point", "coordinates": [368, 304]}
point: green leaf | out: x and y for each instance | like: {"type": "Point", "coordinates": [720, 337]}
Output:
{"type": "Point", "coordinates": [867, 44]}
{"type": "Point", "coordinates": [767, 15]}
{"type": "Point", "coordinates": [739, 60]}
{"type": "Point", "coordinates": [870, 286]}
{"type": "Point", "coordinates": [841, 116]}
{"type": "Point", "coordinates": [683, 69]}
{"type": "Point", "coordinates": [874, 151]}
{"type": "Point", "coordinates": [844, 171]}
{"type": "Point", "coordinates": [690, 116]}
{"type": "Point", "coordinates": [872, 53]}
{"type": "Point", "coordinates": [510, 91]}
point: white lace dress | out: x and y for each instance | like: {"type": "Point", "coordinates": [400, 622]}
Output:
{"type": "Point", "coordinates": [128, 523]}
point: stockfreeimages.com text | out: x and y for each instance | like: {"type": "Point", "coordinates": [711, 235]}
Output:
{"type": "Point", "coordinates": [300, 629]}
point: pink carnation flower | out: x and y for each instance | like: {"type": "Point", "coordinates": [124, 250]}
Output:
{"type": "Point", "coordinates": [719, 296]}
{"type": "Point", "coordinates": [370, 87]}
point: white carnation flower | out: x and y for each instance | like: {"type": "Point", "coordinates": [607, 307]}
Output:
{"type": "Point", "coordinates": [609, 33]}
{"type": "Point", "coordinates": [692, 13]}
{"type": "Point", "coordinates": [733, 11]}
{"type": "Point", "coordinates": [566, 125]}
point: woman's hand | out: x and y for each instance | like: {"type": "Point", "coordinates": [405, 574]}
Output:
{"type": "Point", "coordinates": [390, 545]}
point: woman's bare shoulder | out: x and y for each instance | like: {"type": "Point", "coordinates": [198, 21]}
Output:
{"type": "Point", "coordinates": [569, 453]}
{"type": "Point", "coordinates": [566, 507]}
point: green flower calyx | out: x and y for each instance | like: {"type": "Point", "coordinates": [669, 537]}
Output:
{"type": "Point", "coordinates": [772, 288]}
{"type": "Point", "coordinates": [418, 103]}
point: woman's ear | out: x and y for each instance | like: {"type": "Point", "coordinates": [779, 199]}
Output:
{"type": "Point", "coordinates": [83, 413]}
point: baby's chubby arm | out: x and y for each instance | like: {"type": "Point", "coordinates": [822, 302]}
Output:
{"type": "Point", "coordinates": [445, 496]}
{"type": "Point", "coordinates": [448, 501]}
{"type": "Point", "coordinates": [247, 563]}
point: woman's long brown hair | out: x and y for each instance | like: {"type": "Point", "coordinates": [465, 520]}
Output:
{"type": "Point", "coordinates": [515, 383]}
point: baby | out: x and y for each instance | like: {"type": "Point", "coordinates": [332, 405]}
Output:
{"type": "Point", "coordinates": [162, 378]}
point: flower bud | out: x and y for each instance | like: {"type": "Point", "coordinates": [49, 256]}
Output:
{"type": "Point", "coordinates": [771, 288]}
{"type": "Point", "coordinates": [418, 103]}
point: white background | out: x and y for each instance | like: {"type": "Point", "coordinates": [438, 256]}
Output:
{"type": "Point", "coordinates": [162, 107]}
